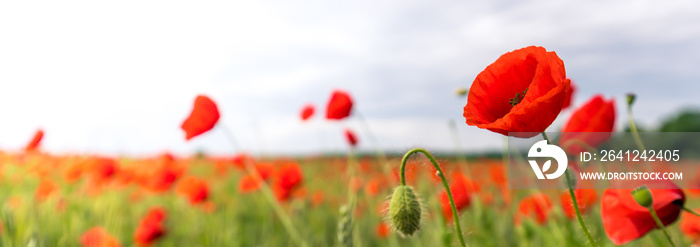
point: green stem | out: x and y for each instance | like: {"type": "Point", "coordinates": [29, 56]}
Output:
{"type": "Point", "coordinates": [690, 211]}
{"type": "Point", "coordinates": [633, 129]}
{"type": "Point", "coordinates": [661, 225]}
{"type": "Point", "coordinates": [461, 157]}
{"type": "Point", "coordinates": [575, 202]}
{"type": "Point", "coordinates": [381, 157]}
{"type": "Point", "coordinates": [269, 195]}
{"type": "Point", "coordinates": [635, 134]}
{"type": "Point", "coordinates": [455, 214]}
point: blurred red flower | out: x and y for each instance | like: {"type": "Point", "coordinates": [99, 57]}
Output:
{"type": "Point", "coordinates": [163, 175]}
{"type": "Point", "coordinates": [383, 230]}
{"type": "Point", "coordinates": [239, 160]}
{"type": "Point", "coordinates": [287, 178]}
{"type": "Point", "coordinates": [203, 117]}
{"type": "Point", "coordinates": [102, 169]}
{"type": "Point", "coordinates": [196, 190]}
{"type": "Point", "coordinates": [45, 189]}
{"type": "Point", "coordinates": [151, 227]}
{"type": "Point", "coordinates": [690, 225]}
{"type": "Point", "coordinates": [350, 137]}
{"type": "Point", "coordinates": [597, 115]}
{"type": "Point", "coordinates": [339, 106]}
{"type": "Point", "coordinates": [248, 183]}
{"type": "Point", "coordinates": [376, 186]}
{"type": "Point", "coordinates": [462, 189]}
{"type": "Point", "coordinates": [36, 140]}
{"type": "Point", "coordinates": [585, 199]}
{"type": "Point", "coordinates": [307, 111]}
{"type": "Point", "coordinates": [498, 175]}
{"type": "Point", "coordinates": [98, 237]}
{"type": "Point", "coordinates": [537, 206]}
{"type": "Point", "coordinates": [523, 91]}
{"type": "Point", "coordinates": [624, 220]}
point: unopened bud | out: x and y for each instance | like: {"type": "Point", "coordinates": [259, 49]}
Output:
{"type": "Point", "coordinates": [643, 196]}
{"type": "Point", "coordinates": [461, 92]}
{"type": "Point", "coordinates": [630, 99]}
{"type": "Point", "coordinates": [405, 211]}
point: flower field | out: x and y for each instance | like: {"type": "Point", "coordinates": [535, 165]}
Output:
{"type": "Point", "coordinates": [355, 199]}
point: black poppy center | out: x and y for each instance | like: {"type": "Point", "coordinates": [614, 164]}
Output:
{"type": "Point", "coordinates": [518, 98]}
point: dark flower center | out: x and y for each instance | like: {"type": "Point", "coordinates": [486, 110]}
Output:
{"type": "Point", "coordinates": [518, 98]}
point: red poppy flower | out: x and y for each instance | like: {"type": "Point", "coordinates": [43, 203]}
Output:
{"type": "Point", "coordinates": [73, 172]}
{"type": "Point", "coordinates": [690, 225]}
{"type": "Point", "coordinates": [523, 91]}
{"type": "Point", "coordinates": [98, 237]}
{"type": "Point", "coordinates": [203, 117]}
{"type": "Point", "coordinates": [537, 206]}
{"type": "Point", "coordinates": [240, 159]}
{"type": "Point", "coordinates": [265, 170]}
{"type": "Point", "coordinates": [597, 115]}
{"type": "Point", "coordinates": [350, 137]}
{"type": "Point", "coordinates": [287, 178]}
{"type": "Point", "coordinates": [163, 179]}
{"type": "Point", "coordinates": [45, 189]}
{"type": "Point", "coordinates": [307, 111]}
{"type": "Point", "coordinates": [151, 227]}
{"type": "Point", "coordinates": [569, 96]}
{"type": "Point", "coordinates": [585, 198]}
{"type": "Point", "coordinates": [103, 169]}
{"type": "Point", "coordinates": [383, 230]}
{"type": "Point", "coordinates": [36, 140]}
{"type": "Point", "coordinates": [196, 190]}
{"type": "Point", "coordinates": [376, 185]}
{"type": "Point", "coordinates": [462, 189]}
{"type": "Point", "coordinates": [339, 106]}
{"type": "Point", "coordinates": [248, 183]}
{"type": "Point", "coordinates": [498, 175]}
{"type": "Point", "coordinates": [624, 220]}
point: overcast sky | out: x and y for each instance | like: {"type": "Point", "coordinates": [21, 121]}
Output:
{"type": "Point", "coordinates": [120, 77]}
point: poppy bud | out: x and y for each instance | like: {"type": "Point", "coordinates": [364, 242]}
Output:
{"type": "Point", "coordinates": [643, 196]}
{"type": "Point", "coordinates": [630, 99]}
{"type": "Point", "coordinates": [461, 92]}
{"type": "Point", "coordinates": [405, 211]}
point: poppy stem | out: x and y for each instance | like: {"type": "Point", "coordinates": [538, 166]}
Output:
{"type": "Point", "coordinates": [633, 127]}
{"type": "Point", "coordinates": [661, 225]}
{"type": "Point", "coordinates": [461, 157]}
{"type": "Point", "coordinates": [690, 211]}
{"type": "Point", "coordinates": [381, 157]}
{"type": "Point", "coordinates": [455, 215]}
{"type": "Point", "coordinates": [269, 195]}
{"type": "Point", "coordinates": [575, 202]}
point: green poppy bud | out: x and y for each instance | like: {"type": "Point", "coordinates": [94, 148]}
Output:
{"type": "Point", "coordinates": [630, 98]}
{"type": "Point", "coordinates": [643, 196]}
{"type": "Point", "coordinates": [405, 211]}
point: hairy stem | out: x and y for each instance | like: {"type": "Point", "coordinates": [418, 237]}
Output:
{"type": "Point", "coordinates": [661, 225]}
{"type": "Point", "coordinates": [455, 215]}
{"type": "Point", "coordinates": [575, 202]}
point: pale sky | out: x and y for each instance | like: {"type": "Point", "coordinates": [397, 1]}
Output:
{"type": "Point", "coordinates": [120, 77]}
